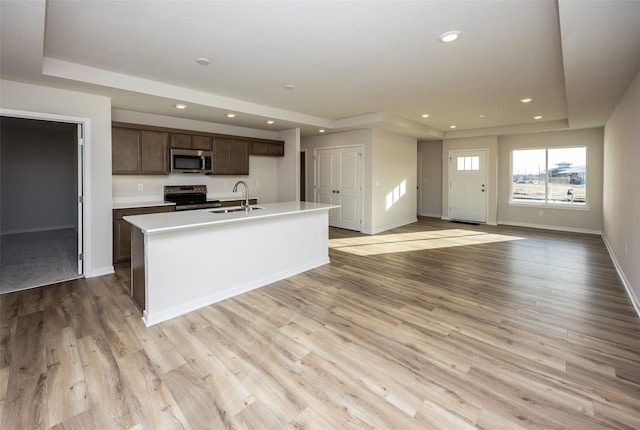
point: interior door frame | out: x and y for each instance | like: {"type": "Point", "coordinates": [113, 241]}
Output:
{"type": "Point", "coordinates": [84, 217]}
{"type": "Point", "coordinates": [419, 186]}
{"type": "Point", "coordinates": [360, 148]}
{"type": "Point", "coordinates": [451, 153]}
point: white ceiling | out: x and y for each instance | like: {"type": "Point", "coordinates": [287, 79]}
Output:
{"type": "Point", "coordinates": [354, 64]}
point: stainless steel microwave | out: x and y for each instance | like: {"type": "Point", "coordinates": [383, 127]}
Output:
{"type": "Point", "coordinates": [191, 161]}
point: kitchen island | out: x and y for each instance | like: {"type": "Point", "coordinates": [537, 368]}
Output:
{"type": "Point", "coordinates": [182, 261]}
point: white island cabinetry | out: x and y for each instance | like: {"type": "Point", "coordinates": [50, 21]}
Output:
{"type": "Point", "coordinates": [182, 261]}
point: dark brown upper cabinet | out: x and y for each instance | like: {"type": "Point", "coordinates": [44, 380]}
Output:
{"type": "Point", "coordinates": [191, 141]}
{"type": "Point", "coordinates": [230, 156]}
{"type": "Point", "coordinates": [268, 148]}
{"type": "Point", "coordinates": [139, 152]}
{"type": "Point", "coordinates": [144, 149]}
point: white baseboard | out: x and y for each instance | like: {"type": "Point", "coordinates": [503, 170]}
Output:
{"type": "Point", "coordinates": [430, 215]}
{"type": "Point", "coordinates": [390, 226]}
{"type": "Point", "coordinates": [623, 278]}
{"type": "Point", "coordinates": [551, 227]}
{"type": "Point", "coordinates": [101, 271]}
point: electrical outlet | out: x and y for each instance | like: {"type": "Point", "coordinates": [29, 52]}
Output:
{"type": "Point", "coordinates": [140, 187]}
{"type": "Point", "coordinates": [540, 212]}
{"type": "Point", "coordinates": [626, 248]}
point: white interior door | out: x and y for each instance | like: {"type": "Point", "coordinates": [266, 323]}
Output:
{"type": "Point", "coordinates": [339, 182]}
{"type": "Point", "coordinates": [468, 185]}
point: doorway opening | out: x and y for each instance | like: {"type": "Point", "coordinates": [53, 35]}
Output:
{"type": "Point", "coordinates": [41, 216]}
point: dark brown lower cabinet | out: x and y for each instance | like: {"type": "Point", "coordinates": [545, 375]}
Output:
{"type": "Point", "coordinates": [122, 230]}
{"type": "Point", "coordinates": [138, 291]}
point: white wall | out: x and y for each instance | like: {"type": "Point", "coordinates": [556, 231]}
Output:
{"type": "Point", "coordinates": [393, 181]}
{"type": "Point", "coordinates": [430, 161]}
{"type": "Point", "coordinates": [621, 202]}
{"type": "Point", "coordinates": [288, 169]}
{"type": "Point", "coordinates": [38, 170]}
{"type": "Point", "coordinates": [98, 202]}
{"type": "Point", "coordinates": [266, 174]}
{"type": "Point", "coordinates": [486, 142]}
{"type": "Point", "coordinates": [588, 221]}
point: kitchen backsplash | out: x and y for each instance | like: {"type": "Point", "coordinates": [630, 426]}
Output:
{"type": "Point", "coordinates": [140, 188]}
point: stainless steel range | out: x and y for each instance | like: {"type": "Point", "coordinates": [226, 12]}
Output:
{"type": "Point", "coordinates": [189, 197]}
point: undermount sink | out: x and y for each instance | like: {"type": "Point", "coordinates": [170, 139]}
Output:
{"type": "Point", "coordinates": [234, 209]}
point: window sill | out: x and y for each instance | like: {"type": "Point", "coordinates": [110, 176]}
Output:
{"type": "Point", "coordinates": [567, 206]}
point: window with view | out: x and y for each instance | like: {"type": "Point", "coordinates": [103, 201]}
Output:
{"type": "Point", "coordinates": [549, 175]}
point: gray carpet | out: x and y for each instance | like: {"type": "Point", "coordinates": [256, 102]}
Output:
{"type": "Point", "coordinates": [31, 260]}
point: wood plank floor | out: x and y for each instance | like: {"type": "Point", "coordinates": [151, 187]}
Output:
{"type": "Point", "coordinates": [434, 325]}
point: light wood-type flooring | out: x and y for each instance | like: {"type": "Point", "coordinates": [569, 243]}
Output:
{"type": "Point", "coordinates": [434, 325]}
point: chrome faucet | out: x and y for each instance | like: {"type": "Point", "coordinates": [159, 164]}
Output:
{"type": "Point", "coordinates": [245, 205]}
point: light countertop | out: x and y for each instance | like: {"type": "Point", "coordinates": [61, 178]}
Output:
{"type": "Point", "coordinates": [171, 221]}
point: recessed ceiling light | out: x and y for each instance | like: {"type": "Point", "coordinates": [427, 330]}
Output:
{"type": "Point", "coordinates": [203, 61]}
{"type": "Point", "coordinates": [537, 117]}
{"type": "Point", "coordinates": [526, 100]}
{"type": "Point", "coordinates": [180, 106]}
{"type": "Point", "coordinates": [289, 86]}
{"type": "Point", "coordinates": [452, 126]}
{"type": "Point", "coordinates": [231, 115]}
{"type": "Point", "coordinates": [425, 115]}
{"type": "Point", "coordinates": [449, 36]}
{"type": "Point", "coordinates": [322, 130]}
{"type": "Point", "coordinates": [482, 115]}
{"type": "Point", "coordinates": [270, 121]}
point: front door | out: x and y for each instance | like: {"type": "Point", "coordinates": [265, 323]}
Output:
{"type": "Point", "coordinates": [468, 185]}
{"type": "Point", "coordinates": [339, 182]}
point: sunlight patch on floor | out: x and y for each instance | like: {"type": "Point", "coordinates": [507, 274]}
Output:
{"type": "Point", "coordinates": [404, 242]}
